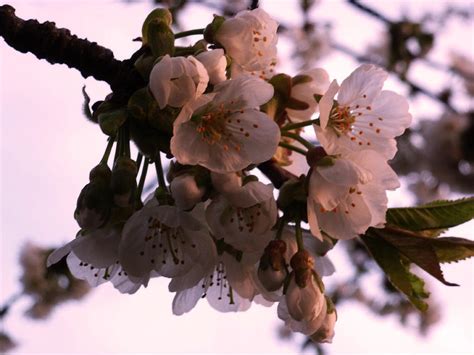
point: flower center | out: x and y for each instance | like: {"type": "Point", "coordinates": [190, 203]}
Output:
{"type": "Point", "coordinates": [341, 119]}
{"type": "Point", "coordinates": [218, 279]}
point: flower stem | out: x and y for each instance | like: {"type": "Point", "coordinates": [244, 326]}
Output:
{"type": "Point", "coordinates": [281, 226]}
{"type": "Point", "coordinates": [292, 147]}
{"type": "Point", "coordinates": [299, 235]}
{"type": "Point", "coordinates": [293, 126]}
{"type": "Point", "coordinates": [159, 172]}
{"type": "Point", "coordinates": [198, 31]}
{"type": "Point", "coordinates": [108, 149]}
{"type": "Point", "coordinates": [298, 138]}
{"type": "Point", "coordinates": [141, 183]}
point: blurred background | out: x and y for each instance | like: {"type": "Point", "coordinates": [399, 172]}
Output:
{"type": "Point", "coordinates": [48, 147]}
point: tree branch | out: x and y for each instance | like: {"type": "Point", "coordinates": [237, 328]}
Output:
{"type": "Point", "coordinates": [59, 46]}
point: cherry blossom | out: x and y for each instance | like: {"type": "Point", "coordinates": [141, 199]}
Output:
{"type": "Point", "coordinates": [244, 217]}
{"type": "Point", "coordinates": [94, 257]}
{"type": "Point", "coordinates": [175, 81]}
{"type": "Point", "coordinates": [223, 131]}
{"type": "Point", "coordinates": [229, 285]}
{"type": "Point", "coordinates": [250, 40]}
{"type": "Point", "coordinates": [163, 239]}
{"type": "Point", "coordinates": [364, 116]}
{"type": "Point", "coordinates": [185, 191]}
{"type": "Point", "coordinates": [348, 197]}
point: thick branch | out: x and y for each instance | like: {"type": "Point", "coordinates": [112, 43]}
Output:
{"type": "Point", "coordinates": [59, 46]}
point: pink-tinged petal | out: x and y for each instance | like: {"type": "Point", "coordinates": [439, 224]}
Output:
{"type": "Point", "coordinates": [201, 77]}
{"type": "Point", "coordinates": [376, 200]}
{"type": "Point", "coordinates": [390, 114]}
{"type": "Point", "coordinates": [326, 103]}
{"type": "Point", "coordinates": [376, 163]}
{"type": "Point", "coordinates": [61, 252]}
{"type": "Point", "coordinates": [225, 183]}
{"type": "Point", "coordinates": [362, 86]}
{"type": "Point", "coordinates": [324, 192]}
{"type": "Point", "coordinates": [160, 77]}
{"type": "Point", "coordinates": [351, 218]}
{"type": "Point", "coordinates": [250, 194]}
{"type": "Point", "coordinates": [185, 300]}
{"type": "Point", "coordinates": [313, 219]}
{"type": "Point", "coordinates": [187, 111]}
{"type": "Point", "coordinates": [183, 89]}
{"type": "Point", "coordinates": [247, 90]}
{"type": "Point", "coordinates": [99, 248]}
{"type": "Point", "coordinates": [344, 173]}
{"type": "Point", "coordinates": [215, 63]}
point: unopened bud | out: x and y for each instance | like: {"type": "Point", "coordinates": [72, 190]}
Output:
{"type": "Point", "coordinates": [185, 191]}
{"type": "Point", "coordinates": [93, 205]}
{"type": "Point", "coordinates": [302, 263]}
{"type": "Point", "coordinates": [314, 155]}
{"type": "Point", "coordinates": [272, 269]}
{"type": "Point", "coordinates": [100, 172]}
{"type": "Point", "coordinates": [123, 181]}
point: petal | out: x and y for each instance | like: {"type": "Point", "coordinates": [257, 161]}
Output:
{"type": "Point", "coordinates": [326, 103]}
{"type": "Point", "coordinates": [250, 194]}
{"type": "Point", "coordinates": [362, 86]}
{"type": "Point", "coordinates": [252, 92]}
{"type": "Point", "coordinates": [160, 77]}
{"type": "Point", "coordinates": [99, 248]}
{"type": "Point", "coordinates": [185, 300]}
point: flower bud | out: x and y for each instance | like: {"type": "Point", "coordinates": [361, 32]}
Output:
{"type": "Point", "coordinates": [185, 191]}
{"type": "Point", "coordinates": [314, 155]}
{"type": "Point", "coordinates": [101, 172]}
{"type": "Point", "coordinates": [302, 263]}
{"type": "Point", "coordinates": [272, 271]}
{"type": "Point", "coordinates": [93, 205]}
{"type": "Point", "coordinates": [123, 181]}
{"type": "Point", "coordinates": [304, 302]}
{"type": "Point", "coordinates": [326, 332]}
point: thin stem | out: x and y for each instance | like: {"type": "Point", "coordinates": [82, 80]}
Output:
{"type": "Point", "coordinates": [198, 31]}
{"type": "Point", "coordinates": [139, 159]}
{"type": "Point", "coordinates": [126, 138]}
{"type": "Point", "coordinates": [159, 172]}
{"type": "Point", "coordinates": [108, 149]}
{"type": "Point", "coordinates": [281, 225]}
{"type": "Point", "coordinates": [11, 300]}
{"type": "Point", "coordinates": [141, 183]}
{"type": "Point", "coordinates": [370, 11]}
{"type": "Point", "coordinates": [299, 235]}
{"type": "Point", "coordinates": [298, 138]}
{"type": "Point", "coordinates": [292, 147]}
{"type": "Point", "coordinates": [292, 126]}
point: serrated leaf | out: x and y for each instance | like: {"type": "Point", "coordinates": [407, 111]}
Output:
{"type": "Point", "coordinates": [417, 249]}
{"type": "Point", "coordinates": [390, 260]}
{"type": "Point", "coordinates": [451, 249]}
{"type": "Point", "coordinates": [432, 218]}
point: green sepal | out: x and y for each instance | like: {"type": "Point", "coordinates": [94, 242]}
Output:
{"type": "Point", "coordinates": [144, 64]}
{"type": "Point", "coordinates": [301, 79]}
{"type": "Point", "coordinates": [157, 15]}
{"type": "Point", "coordinates": [275, 108]}
{"type": "Point", "coordinates": [212, 28]}
{"type": "Point", "coordinates": [295, 104]}
{"type": "Point", "coordinates": [249, 178]}
{"type": "Point", "coordinates": [111, 121]}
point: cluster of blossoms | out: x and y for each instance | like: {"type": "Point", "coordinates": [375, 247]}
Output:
{"type": "Point", "coordinates": [215, 230]}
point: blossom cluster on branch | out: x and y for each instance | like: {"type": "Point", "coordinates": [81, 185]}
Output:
{"type": "Point", "coordinates": [218, 109]}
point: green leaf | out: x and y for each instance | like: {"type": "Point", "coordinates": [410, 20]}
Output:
{"type": "Point", "coordinates": [398, 273]}
{"type": "Point", "coordinates": [451, 249]}
{"type": "Point", "coordinates": [417, 249]}
{"type": "Point", "coordinates": [432, 218]}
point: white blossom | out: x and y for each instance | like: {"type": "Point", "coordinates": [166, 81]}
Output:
{"type": "Point", "coordinates": [163, 239]}
{"type": "Point", "coordinates": [175, 81]}
{"type": "Point", "coordinates": [224, 131]}
{"type": "Point", "coordinates": [94, 257]}
{"type": "Point", "coordinates": [364, 116]}
{"type": "Point", "coordinates": [348, 197]}
{"type": "Point", "coordinates": [244, 217]}
{"type": "Point", "coordinates": [325, 333]}
{"type": "Point", "coordinates": [250, 40]}
{"type": "Point", "coordinates": [215, 63]}
{"type": "Point", "coordinates": [229, 285]}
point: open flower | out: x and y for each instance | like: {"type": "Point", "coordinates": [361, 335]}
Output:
{"type": "Point", "coordinates": [94, 257]}
{"type": "Point", "coordinates": [224, 131]}
{"type": "Point", "coordinates": [229, 286]}
{"type": "Point", "coordinates": [250, 39]}
{"type": "Point", "coordinates": [175, 81]}
{"type": "Point", "coordinates": [244, 217]}
{"type": "Point", "coordinates": [163, 239]}
{"type": "Point", "coordinates": [305, 86]}
{"type": "Point", "coordinates": [364, 116]}
{"type": "Point", "coordinates": [348, 197]}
